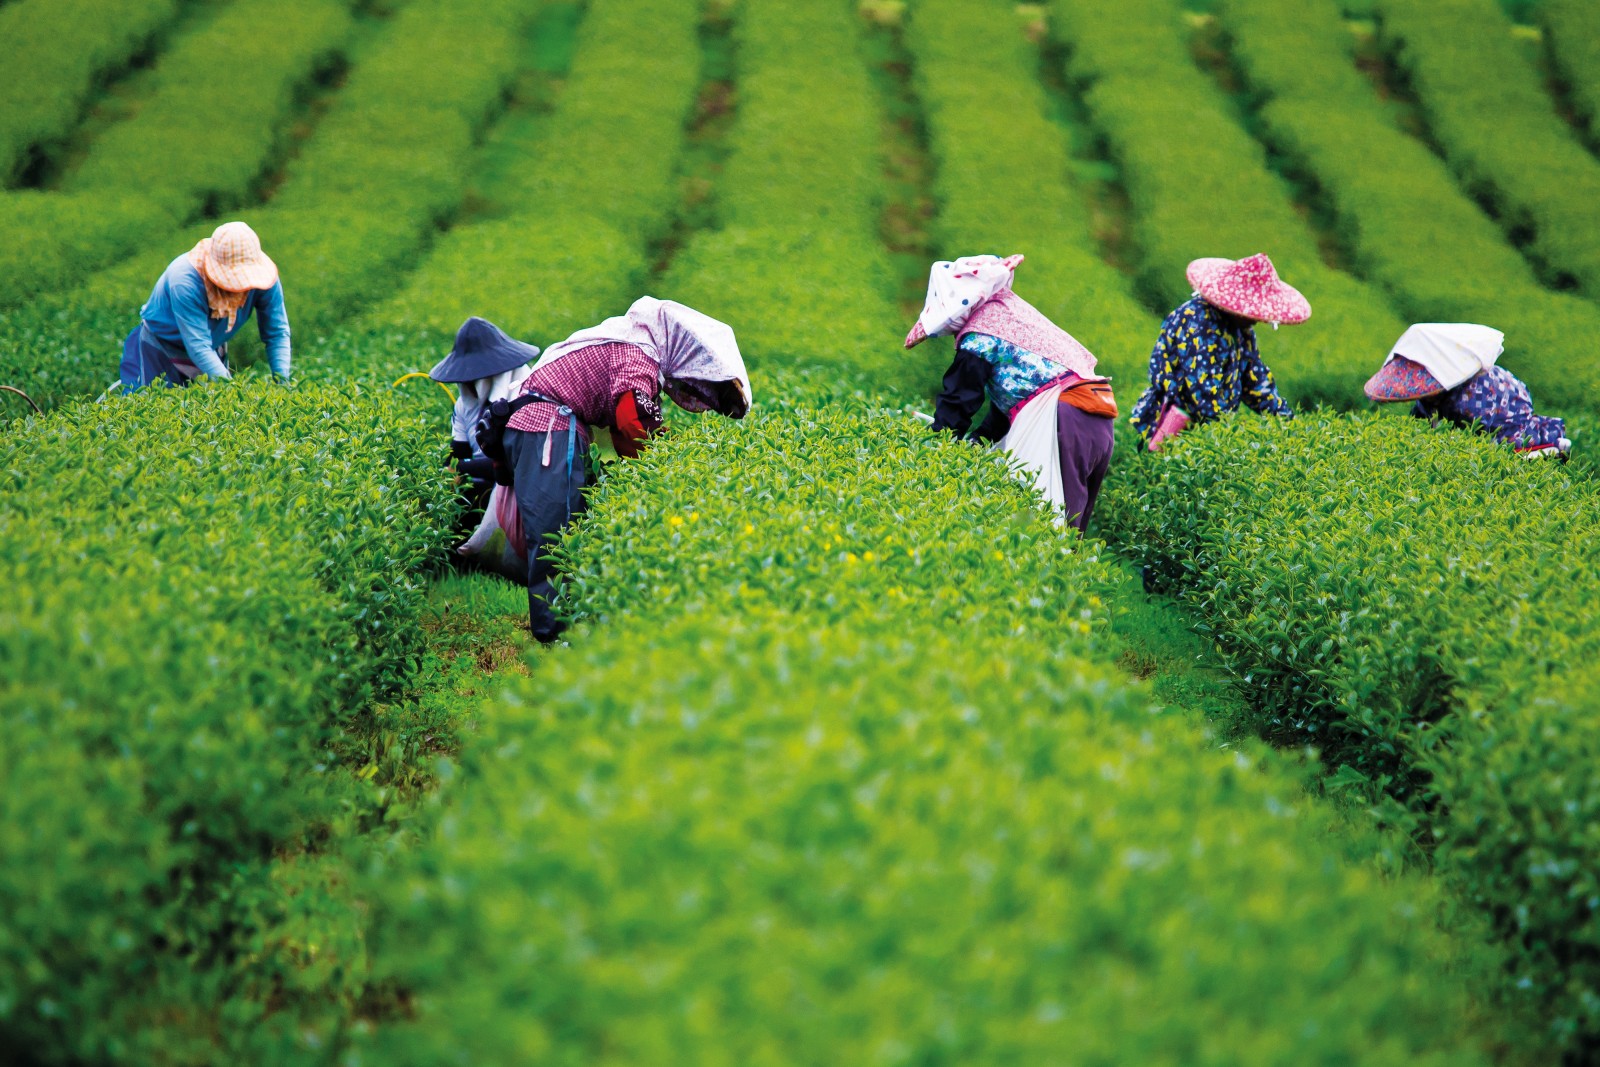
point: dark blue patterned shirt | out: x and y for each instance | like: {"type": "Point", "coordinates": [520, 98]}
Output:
{"type": "Point", "coordinates": [1207, 363]}
{"type": "Point", "coordinates": [1496, 398]}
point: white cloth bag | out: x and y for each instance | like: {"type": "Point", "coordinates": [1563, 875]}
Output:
{"type": "Point", "coordinates": [1034, 446]}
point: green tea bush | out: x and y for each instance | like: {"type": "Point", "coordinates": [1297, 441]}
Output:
{"type": "Point", "coordinates": [56, 52]}
{"type": "Point", "coordinates": [220, 99]}
{"type": "Point", "coordinates": [1489, 112]}
{"type": "Point", "coordinates": [1325, 118]}
{"type": "Point", "coordinates": [1420, 603]}
{"type": "Point", "coordinates": [798, 260]}
{"type": "Point", "coordinates": [833, 779]}
{"type": "Point", "coordinates": [203, 587]}
{"type": "Point", "coordinates": [1201, 185]}
{"type": "Point", "coordinates": [571, 242]}
{"type": "Point", "coordinates": [385, 165]}
{"type": "Point", "coordinates": [1006, 187]}
{"type": "Point", "coordinates": [1572, 37]}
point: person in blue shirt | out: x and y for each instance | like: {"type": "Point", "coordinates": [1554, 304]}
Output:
{"type": "Point", "coordinates": [200, 301]}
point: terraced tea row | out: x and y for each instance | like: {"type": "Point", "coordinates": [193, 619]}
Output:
{"type": "Point", "coordinates": [1434, 634]}
{"type": "Point", "coordinates": [203, 587]}
{"type": "Point", "coordinates": [189, 147]}
{"type": "Point", "coordinates": [1499, 130]}
{"type": "Point", "coordinates": [798, 263]}
{"type": "Point", "coordinates": [385, 164]}
{"type": "Point", "coordinates": [1456, 267]}
{"type": "Point", "coordinates": [57, 51]}
{"type": "Point", "coordinates": [835, 775]}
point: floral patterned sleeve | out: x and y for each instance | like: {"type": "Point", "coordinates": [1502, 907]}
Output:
{"type": "Point", "coordinates": [1260, 391]}
{"type": "Point", "coordinates": [1163, 368]}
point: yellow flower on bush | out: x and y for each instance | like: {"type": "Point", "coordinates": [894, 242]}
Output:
{"type": "Point", "coordinates": [676, 520]}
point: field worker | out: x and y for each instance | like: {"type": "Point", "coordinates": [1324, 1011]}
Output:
{"type": "Point", "coordinates": [612, 375]}
{"type": "Point", "coordinates": [485, 365]}
{"type": "Point", "coordinates": [202, 299]}
{"type": "Point", "coordinates": [1448, 369]}
{"type": "Point", "coordinates": [1206, 361]}
{"type": "Point", "coordinates": [1047, 408]}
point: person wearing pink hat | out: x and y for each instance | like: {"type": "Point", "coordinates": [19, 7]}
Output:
{"type": "Point", "coordinates": [1206, 363]}
{"type": "Point", "coordinates": [201, 300]}
{"type": "Point", "coordinates": [1047, 408]}
{"type": "Point", "coordinates": [1448, 370]}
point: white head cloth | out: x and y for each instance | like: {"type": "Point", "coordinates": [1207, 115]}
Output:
{"type": "Point", "coordinates": [688, 345]}
{"type": "Point", "coordinates": [1451, 351]}
{"type": "Point", "coordinates": [957, 289]}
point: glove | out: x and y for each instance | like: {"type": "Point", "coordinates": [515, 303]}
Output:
{"type": "Point", "coordinates": [477, 469]}
{"type": "Point", "coordinates": [460, 450]}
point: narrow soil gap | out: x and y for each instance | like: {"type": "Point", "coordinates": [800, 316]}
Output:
{"type": "Point", "coordinates": [1213, 52]}
{"type": "Point", "coordinates": [705, 144]}
{"type": "Point", "coordinates": [118, 93]}
{"type": "Point", "coordinates": [908, 206]}
{"type": "Point", "coordinates": [1096, 175]}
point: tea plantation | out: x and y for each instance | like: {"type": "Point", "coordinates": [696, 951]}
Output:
{"type": "Point", "coordinates": [852, 756]}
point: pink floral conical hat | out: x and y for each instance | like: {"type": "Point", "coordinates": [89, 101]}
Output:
{"type": "Point", "coordinates": [1249, 287]}
{"type": "Point", "coordinates": [1402, 379]}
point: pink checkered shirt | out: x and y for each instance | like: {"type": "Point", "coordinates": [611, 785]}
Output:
{"type": "Point", "coordinates": [590, 381]}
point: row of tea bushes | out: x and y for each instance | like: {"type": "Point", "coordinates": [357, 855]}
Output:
{"type": "Point", "coordinates": [834, 777]}
{"type": "Point", "coordinates": [203, 587]}
{"type": "Point", "coordinates": [56, 53]}
{"type": "Point", "coordinates": [1201, 185]}
{"type": "Point", "coordinates": [1488, 110]}
{"type": "Point", "coordinates": [222, 95]}
{"type": "Point", "coordinates": [1317, 109]}
{"type": "Point", "coordinates": [578, 196]}
{"type": "Point", "coordinates": [798, 261]}
{"type": "Point", "coordinates": [1420, 603]}
{"type": "Point", "coordinates": [1005, 187]}
{"type": "Point", "coordinates": [1572, 38]}
{"type": "Point", "coordinates": [385, 165]}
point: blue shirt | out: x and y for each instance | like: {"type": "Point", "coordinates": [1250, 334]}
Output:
{"type": "Point", "coordinates": [177, 313]}
{"type": "Point", "coordinates": [1206, 362]}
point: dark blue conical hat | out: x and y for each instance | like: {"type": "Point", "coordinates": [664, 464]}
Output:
{"type": "Point", "coordinates": [482, 350]}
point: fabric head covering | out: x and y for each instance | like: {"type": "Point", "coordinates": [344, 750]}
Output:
{"type": "Point", "coordinates": [482, 350]}
{"type": "Point", "coordinates": [957, 289]}
{"type": "Point", "coordinates": [701, 367]}
{"type": "Point", "coordinates": [1446, 353]}
{"type": "Point", "coordinates": [1249, 287]}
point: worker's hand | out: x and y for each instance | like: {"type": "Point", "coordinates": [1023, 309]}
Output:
{"type": "Point", "coordinates": [477, 469]}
